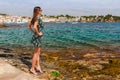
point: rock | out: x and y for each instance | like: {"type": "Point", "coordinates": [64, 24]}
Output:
{"type": "Point", "coordinates": [55, 58]}
{"type": "Point", "coordinates": [88, 62]}
{"type": "Point", "coordinates": [103, 77]}
{"type": "Point", "coordinates": [96, 67]}
{"type": "Point", "coordinates": [88, 78]}
{"type": "Point", "coordinates": [44, 76]}
{"type": "Point", "coordinates": [93, 50]}
{"type": "Point", "coordinates": [8, 72]}
{"type": "Point", "coordinates": [105, 55]}
{"type": "Point", "coordinates": [25, 69]}
{"type": "Point", "coordinates": [104, 62]}
{"type": "Point", "coordinates": [118, 76]}
{"type": "Point", "coordinates": [83, 62]}
{"type": "Point", "coordinates": [88, 55]}
{"type": "Point", "coordinates": [75, 78]}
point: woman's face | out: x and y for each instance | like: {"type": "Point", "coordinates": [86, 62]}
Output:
{"type": "Point", "coordinates": [40, 12]}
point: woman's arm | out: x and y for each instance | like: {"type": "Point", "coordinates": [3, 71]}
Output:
{"type": "Point", "coordinates": [29, 27]}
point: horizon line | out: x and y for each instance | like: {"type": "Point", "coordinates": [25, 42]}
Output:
{"type": "Point", "coordinates": [62, 14]}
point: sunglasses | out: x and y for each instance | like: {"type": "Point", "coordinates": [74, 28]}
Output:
{"type": "Point", "coordinates": [40, 10]}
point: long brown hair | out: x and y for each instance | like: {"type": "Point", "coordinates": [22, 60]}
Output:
{"type": "Point", "coordinates": [35, 12]}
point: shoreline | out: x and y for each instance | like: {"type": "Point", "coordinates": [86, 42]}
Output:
{"type": "Point", "coordinates": [5, 26]}
{"type": "Point", "coordinates": [84, 48]}
{"type": "Point", "coordinates": [71, 63]}
{"type": "Point", "coordinates": [87, 62]}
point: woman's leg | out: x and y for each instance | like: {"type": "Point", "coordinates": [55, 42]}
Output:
{"type": "Point", "coordinates": [34, 60]}
{"type": "Point", "coordinates": [38, 61]}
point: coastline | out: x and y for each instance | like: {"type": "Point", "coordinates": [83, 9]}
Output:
{"type": "Point", "coordinates": [71, 63]}
{"type": "Point", "coordinates": [6, 26]}
{"type": "Point", "coordinates": [63, 18]}
{"type": "Point", "coordinates": [3, 25]}
{"type": "Point", "coordinates": [87, 62]}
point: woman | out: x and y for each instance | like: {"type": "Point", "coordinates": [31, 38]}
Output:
{"type": "Point", "coordinates": [36, 39]}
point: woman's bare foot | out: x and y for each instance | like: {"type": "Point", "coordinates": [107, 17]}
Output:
{"type": "Point", "coordinates": [39, 69]}
{"type": "Point", "coordinates": [33, 71]}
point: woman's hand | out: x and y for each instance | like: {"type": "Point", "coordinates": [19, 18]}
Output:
{"type": "Point", "coordinates": [40, 34]}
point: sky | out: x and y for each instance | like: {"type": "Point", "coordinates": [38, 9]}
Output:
{"type": "Point", "coordinates": [57, 7]}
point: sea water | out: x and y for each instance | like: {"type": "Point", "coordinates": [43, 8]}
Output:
{"type": "Point", "coordinates": [61, 35]}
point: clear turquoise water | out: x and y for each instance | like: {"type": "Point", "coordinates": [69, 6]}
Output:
{"type": "Point", "coordinates": [60, 35]}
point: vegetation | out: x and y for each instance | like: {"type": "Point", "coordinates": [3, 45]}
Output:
{"type": "Point", "coordinates": [91, 18]}
{"type": "Point", "coordinates": [24, 17]}
{"type": "Point", "coordinates": [67, 16]}
{"type": "Point", "coordinates": [55, 73]}
{"type": "Point", "coordinates": [2, 25]}
{"type": "Point", "coordinates": [3, 14]}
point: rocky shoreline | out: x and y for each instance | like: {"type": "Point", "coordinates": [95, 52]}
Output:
{"type": "Point", "coordinates": [3, 25]}
{"type": "Point", "coordinates": [68, 64]}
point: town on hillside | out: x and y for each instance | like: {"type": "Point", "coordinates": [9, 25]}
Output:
{"type": "Point", "coordinates": [5, 18]}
